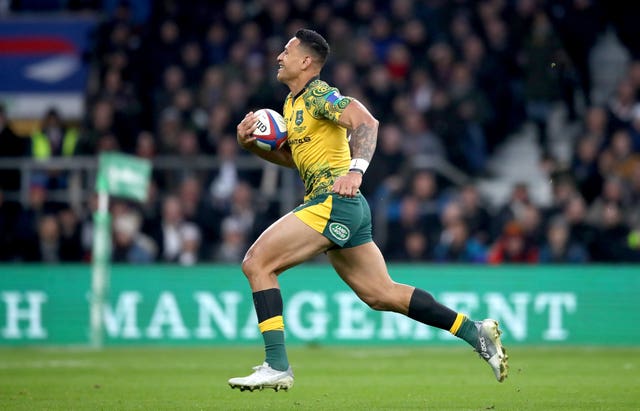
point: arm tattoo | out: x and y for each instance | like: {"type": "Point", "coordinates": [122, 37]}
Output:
{"type": "Point", "coordinates": [363, 142]}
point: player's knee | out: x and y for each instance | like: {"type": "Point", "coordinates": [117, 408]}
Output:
{"type": "Point", "coordinates": [250, 266]}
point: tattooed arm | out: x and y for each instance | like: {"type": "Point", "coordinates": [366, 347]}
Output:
{"type": "Point", "coordinates": [364, 130]}
{"type": "Point", "coordinates": [364, 135]}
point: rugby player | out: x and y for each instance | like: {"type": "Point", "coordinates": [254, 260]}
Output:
{"type": "Point", "coordinates": [334, 217]}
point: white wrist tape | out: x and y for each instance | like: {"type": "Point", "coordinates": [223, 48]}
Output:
{"type": "Point", "coordinates": [359, 164]}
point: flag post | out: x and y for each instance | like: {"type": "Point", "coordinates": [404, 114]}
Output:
{"type": "Point", "coordinates": [124, 176]}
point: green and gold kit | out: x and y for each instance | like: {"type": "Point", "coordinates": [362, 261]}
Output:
{"type": "Point", "coordinates": [320, 150]}
{"type": "Point", "coordinates": [318, 143]}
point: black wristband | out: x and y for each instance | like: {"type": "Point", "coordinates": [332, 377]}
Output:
{"type": "Point", "coordinates": [356, 169]}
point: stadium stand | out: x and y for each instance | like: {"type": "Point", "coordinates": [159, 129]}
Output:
{"type": "Point", "coordinates": [506, 133]}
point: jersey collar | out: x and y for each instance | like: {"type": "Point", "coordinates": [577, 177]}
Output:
{"type": "Point", "coordinates": [312, 79]}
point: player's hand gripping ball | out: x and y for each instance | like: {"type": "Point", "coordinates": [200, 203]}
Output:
{"type": "Point", "coordinates": [271, 130]}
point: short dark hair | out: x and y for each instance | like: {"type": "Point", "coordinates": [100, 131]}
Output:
{"type": "Point", "coordinates": [315, 42]}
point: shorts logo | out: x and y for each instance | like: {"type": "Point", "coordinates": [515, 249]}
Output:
{"type": "Point", "coordinates": [339, 231]}
{"type": "Point", "coordinates": [299, 118]}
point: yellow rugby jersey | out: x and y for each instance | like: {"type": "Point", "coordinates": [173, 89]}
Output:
{"type": "Point", "coordinates": [318, 143]}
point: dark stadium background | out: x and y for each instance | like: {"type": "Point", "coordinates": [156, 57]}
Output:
{"type": "Point", "coordinates": [504, 125]}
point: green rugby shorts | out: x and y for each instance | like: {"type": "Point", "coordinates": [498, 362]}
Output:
{"type": "Point", "coordinates": [346, 221]}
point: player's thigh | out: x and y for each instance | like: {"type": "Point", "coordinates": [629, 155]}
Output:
{"type": "Point", "coordinates": [286, 243]}
{"type": "Point", "coordinates": [363, 268]}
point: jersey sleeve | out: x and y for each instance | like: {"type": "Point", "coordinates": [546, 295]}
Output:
{"type": "Point", "coordinates": [327, 102]}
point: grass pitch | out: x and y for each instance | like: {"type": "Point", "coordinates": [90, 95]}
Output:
{"type": "Point", "coordinates": [335, 378]}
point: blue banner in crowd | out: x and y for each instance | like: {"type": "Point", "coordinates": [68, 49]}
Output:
{"type": "Point", "coordinates": [44, 54]}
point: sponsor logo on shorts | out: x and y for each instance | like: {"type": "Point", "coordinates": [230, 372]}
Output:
{"type": "Point", "coordinates": [339, 231]}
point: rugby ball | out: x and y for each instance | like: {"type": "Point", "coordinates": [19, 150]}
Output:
{"type": "Point", "coordinates": [271, 129]}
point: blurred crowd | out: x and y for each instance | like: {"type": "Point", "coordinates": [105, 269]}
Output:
{"type": "Point", "coordinates": [448, 80]}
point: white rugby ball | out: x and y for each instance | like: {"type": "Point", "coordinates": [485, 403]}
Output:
{"type": "Point", "coordinates": [271, 129]}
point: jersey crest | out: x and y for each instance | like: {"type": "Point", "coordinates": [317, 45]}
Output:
{"type": "Point", "coordinates": [299, 117]}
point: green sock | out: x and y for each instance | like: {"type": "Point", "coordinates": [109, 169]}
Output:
{"type": "Point", "coordinates": [468, 332]}
{"type": "Point", "coordinates": [276, 355]}
{"type": "Point", "coordinates": [268, 304]}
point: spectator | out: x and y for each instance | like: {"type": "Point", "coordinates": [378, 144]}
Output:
{"type": "Point", "coordinates": [512, 247]}
{"type": "Point", "coordinates": [31, 214]}
{"type": "Point", "coordinates": [125, 109]}
{"type": "Point", "coordinates": [218, 127]}
{"type": "Point", "coordinates": [11, 146]}
{"type": "Point", "coordinates": [424, 190]}
{"type": "Point", "coordinates": [228, 175]}
{"type": "Point", "coordinates": [217, 43]}
{"type": "Point", "coordinates": [558, 247]}
{"type": "Point", "coordinates": [169, 128]}
{"type": "Point", "coordinates": [624, 158]}
{"type": "Point", "coordinates": [596, 125]}
{"type": "Point", "coordinates": [512, 209]}
{"type": "Point", "coordinates": [86, 224]}
{"type": "Point", "coordinates": [541, 53]}
{"type": "Point", "coordinates": [410, 219]}
{"type": "Point", "coordinates": [101, 122]}
{"type": "Point", "coordinates": [424, 186]}
{"type": "Point", "coordinates": [70, 236]}
{"type": "Point", "coordinates": [147, 148]}
{"type": "Point", "coordinates": [199, 211]}
{"type": "Point", "coordinates": [471, 114]}
{"type": "Point", "coordinates": [129, 245]}
{"type": "Point", "coordinates": [416, 248]}
{"type": "Point", "coordinates": [53, 139]}
{"type": "Point", "coordinates": [151, 210]}
{"type": "Point", "coordinates": [611, 244]}
{"type": "Point", "coordinates": [9, 212]}
{"type": "Point", "coordinates": [164, 47]}
{"type": "Point", "coordinates": [634, 128]}
{"type": "Point", "coordinates": [172, 81]}
{"type": "Point", "coordinates": [562, 190]}
{"type": "Point", "coordinates": [621, 105]}
{"type": "Point", "coordinates": [531, 221]}
{"type": "Point", "coordinates": [379, 87]}
{"type": "Point", "coordinates": [47, 248]}
{"type": "Point", "coordinates": [390, 162]}
{"type": "Point", "coordinates": [579, 23]}
{"type": "Point", "coordinates": [421, 90]}
{"type": "Point", "coordinates": [190, 251]}
{"type": "Point", "coordinates": [584, 167]}
{"type": "Point", "coordinates": [455, 245]}
{"type": "Point", "coordinates": [169, 237]}
{"type": "Point", "coordinates": [234, 242]}
{"type": "Point", "coordinates": [193, 63]}
{"type": "Point", "coordinates": [364, 56]}
{"type": "Point", "coordinates": [188, 150]}
{"type": "Point", "coordinates": [634, 196]}
{"type": "Point", "coordinates": [475, 214]}
{"type": "Point", "coordinates": [613, 192]}
{"type": "Point", "coordinates": [580, 230]}
{"type": "Point", "coordinates": [192, 116]}
{"type": "Point", "coordinates": [248, 209]}
{"type": "Point", "coordinates": [236, 97]}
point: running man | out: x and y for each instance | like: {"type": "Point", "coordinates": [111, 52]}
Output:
{"type": "Point", "coordinates": [334, 218]}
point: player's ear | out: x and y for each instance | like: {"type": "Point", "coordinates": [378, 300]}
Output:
{"type": "Point", "coordinates": [307, 61]}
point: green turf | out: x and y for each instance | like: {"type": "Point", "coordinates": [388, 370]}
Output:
{"type": "Point", "coordinates": [326, 379]}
